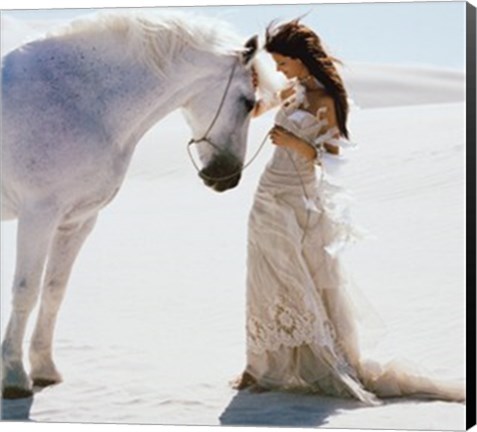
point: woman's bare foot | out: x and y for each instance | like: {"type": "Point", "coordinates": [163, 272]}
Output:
{"type": "Point", "coordinates": [245, 381]}
{"type": "Point", "coordinates": [255, 388]}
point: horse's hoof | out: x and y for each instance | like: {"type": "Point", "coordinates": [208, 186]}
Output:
{"type": "Point", "coordinates": [16, 393]}
{"type": "Point", "coordinates": [44, 382]}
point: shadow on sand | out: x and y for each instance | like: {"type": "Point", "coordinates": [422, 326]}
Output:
{"type": "Point", "coordinates": [19, 409]}
{"type": "Point", "coordinates": [283, 409]}
{"type": "Point", "coordinates": [16, 409]}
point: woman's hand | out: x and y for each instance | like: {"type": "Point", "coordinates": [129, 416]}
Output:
{"type": "Point", "coordinates": [282, 138]}
{"type": "Point", "coordinates": [287, 92]}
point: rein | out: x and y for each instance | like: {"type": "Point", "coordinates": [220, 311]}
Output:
{"type": "Point", "coordinates": [305, 193]}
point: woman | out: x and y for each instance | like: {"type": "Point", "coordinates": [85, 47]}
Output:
{"type": "Point", "coordinates": [300, 326]}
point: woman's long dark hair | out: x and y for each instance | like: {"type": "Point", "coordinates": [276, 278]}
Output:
{"type": "Point", "coordinates": [297, 41]}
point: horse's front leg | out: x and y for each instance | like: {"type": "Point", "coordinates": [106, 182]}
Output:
{"type": "Point", "coordinates": [35, 232]}
{"type": "Point", "coordinates": [65, 248]}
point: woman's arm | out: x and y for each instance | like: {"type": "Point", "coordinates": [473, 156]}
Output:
{"type": "Point", "coordinates": [326, 112]}
{"type": "Point", "coordinates": [265, 104]}
{"type": "Point", "coordinates": [262, 105]}
{"type": "Point", "coordinates": [283, 138]}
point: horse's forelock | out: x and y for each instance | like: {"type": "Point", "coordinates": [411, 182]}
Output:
{"type": "Point", "coordinates": [269, 81]}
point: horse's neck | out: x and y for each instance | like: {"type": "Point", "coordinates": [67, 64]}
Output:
{"type": "Point", "coordinates": [162, 95]}
{"type": "Point", "coordinates": [138, 96]}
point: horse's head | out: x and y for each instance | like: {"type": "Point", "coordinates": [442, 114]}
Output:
{"type": "Point", "coordinates": [219, 116]}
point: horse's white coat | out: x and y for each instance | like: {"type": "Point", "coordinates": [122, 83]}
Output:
{"type": "Point", "coordinates": [75, 104]}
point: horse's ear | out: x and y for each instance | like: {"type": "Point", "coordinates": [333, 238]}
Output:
{"type": "Point", "coordinates": [251, 47]}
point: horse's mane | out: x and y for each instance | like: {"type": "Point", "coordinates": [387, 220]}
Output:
{"type": "Point", "coordinates": [159, 40]}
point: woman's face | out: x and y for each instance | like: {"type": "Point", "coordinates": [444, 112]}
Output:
{"type": "Point", "coordinates": [290, 67]}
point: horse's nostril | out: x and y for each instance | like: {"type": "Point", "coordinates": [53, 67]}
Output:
{"type": "Point", "coordinates": [220, 185]}
{"type": "Point", "coordinates": [234, 181]}
{"type": "Point", "coordinates": [222, 173]}
{"type": "Point", "coordinates": [206, 179]}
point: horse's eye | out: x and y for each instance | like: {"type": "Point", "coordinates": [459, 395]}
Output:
{"type": "Point", "coordinates": [249, 104]}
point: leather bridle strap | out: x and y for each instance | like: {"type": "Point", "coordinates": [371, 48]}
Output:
{"type": "Point", "coordinates": [219, 109]}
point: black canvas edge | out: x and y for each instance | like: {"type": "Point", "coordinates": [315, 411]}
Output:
{"type": "Point", "coordinates": [470, 212]}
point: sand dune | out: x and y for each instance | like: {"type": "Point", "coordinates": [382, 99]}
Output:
{"type": "Point", "coordinates": [375, 86]}
{"type": "Point", "coordinates": [370, 85]}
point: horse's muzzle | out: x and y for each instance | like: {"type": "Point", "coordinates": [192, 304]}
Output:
{"type": "Point", "coordinates": [222, 173]}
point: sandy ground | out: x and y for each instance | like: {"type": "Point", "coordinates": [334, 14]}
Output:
{"type": "Point", "coordinates": [152, 327]}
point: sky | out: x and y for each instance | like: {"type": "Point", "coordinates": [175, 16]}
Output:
{"type": "Point", "coordinates": [418, 33]}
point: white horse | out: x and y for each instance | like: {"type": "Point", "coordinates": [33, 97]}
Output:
{"type": "Point", "coordinates": [75, 104]}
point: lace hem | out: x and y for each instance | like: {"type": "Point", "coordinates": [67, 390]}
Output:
{"type": "Point", "coordinates": [286, 327]}
{"type": "Point", "coordinates": [298, 331]}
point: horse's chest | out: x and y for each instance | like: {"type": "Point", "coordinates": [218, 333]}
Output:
{"type": "Point", "coordinates": [87, 205]}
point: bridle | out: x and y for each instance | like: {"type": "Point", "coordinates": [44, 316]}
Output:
{"type": "Point", "coordinates": [206, 139]}
{"type": "Point", "coordinates": [217, 113]}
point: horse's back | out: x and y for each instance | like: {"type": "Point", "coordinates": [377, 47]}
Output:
{"type": "Point", "coordinates": [48, 83]}
{"type": "Point", "coordinates": [53, 136]}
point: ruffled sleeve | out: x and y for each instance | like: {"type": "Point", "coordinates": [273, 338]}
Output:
{"type": "Point", "coordinates": [330, 162]}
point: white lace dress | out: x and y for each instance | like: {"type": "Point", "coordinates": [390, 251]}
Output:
{"type": "Point", "coordinates": [300, 323]}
